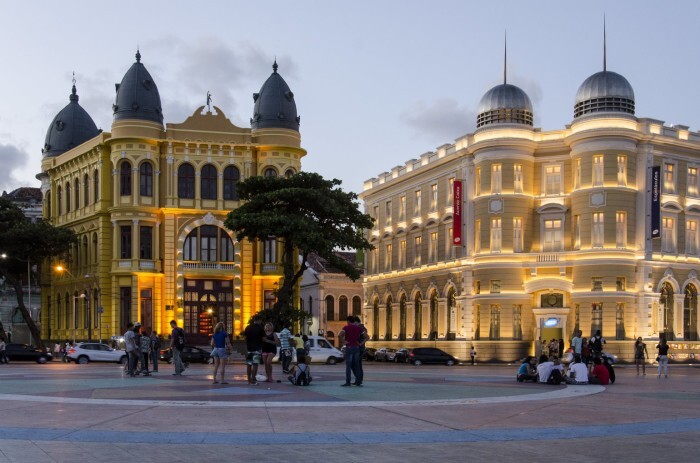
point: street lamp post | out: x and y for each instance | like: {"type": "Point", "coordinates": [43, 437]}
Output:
{"type": "Point", "coordinates": [75, 298]}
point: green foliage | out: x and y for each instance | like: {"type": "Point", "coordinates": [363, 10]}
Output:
{"type": "Point", "coordinates": [284, 316]}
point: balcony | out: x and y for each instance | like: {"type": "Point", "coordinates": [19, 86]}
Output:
{"type": "Point", "coordinates": [201, 265]}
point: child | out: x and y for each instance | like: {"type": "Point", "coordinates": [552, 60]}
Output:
{"type": "Point", "coordinates": [301, 373]}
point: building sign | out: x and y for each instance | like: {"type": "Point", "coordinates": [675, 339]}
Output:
{"type": "Point", "coordinates": [656, 202]}
{"type": "Point", "coordinates": [205, 323]}
{"type": "Point", "coordinates": [457, 219]}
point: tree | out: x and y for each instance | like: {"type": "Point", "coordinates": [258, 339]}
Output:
{"type": "Point", "coordinates": [23, 242]}
{"type": "Point", "coordinates": [306, 213]}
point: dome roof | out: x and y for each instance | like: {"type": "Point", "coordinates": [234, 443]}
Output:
{"type": "Point", "coordinates": [604, 91]}
{"type": "Point", "coordinates": [274, 105]}
{"type": "Point", "coordinates": [504, 103]}
{"type": "Point", "coordinates": [71, 127]}
{"type": "Point", "coordinates": [137, 95]}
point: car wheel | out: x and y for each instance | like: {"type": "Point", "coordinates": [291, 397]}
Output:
{"type": "Point", "coordinates": [42, 360]}
{"type": "Point", "coordinates": [331, 361]}
{"type": "Point", "coordinates": [417, 363]}
{"type": "Point", "coordinates": [449, 363]}
{"type": "Point", "coordinates": [82, 360]}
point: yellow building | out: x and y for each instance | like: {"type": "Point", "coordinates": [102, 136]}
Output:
{"type": "Point", "coordinates": [556, 231]}
{"type": "Point", "coordinates": [147, 202]}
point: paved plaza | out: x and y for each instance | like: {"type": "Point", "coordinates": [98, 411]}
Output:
{"type": "Point", "coordinates": [93, 413]}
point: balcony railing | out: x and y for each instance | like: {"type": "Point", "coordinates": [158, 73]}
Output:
{"type": "Point", "coordinates": [199, 265]}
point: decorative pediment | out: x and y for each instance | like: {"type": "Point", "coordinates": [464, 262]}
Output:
{"type": "Point", "coordinates": [552, 208]}
{"type": "Point", "coordinates": [672, 206]}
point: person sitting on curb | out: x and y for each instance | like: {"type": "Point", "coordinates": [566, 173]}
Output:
{"type": "Point", "coordinates": [600, 374]}
{"type": "Point", "coordinates": [578, 372]}
{"type": "Point", "coordinates": [300, 373]}
{"type": "Point", "coordinates": [527, 371]}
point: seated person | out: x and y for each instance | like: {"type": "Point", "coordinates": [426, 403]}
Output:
{"type": "Point", "coordinates": [301, 373]}
{"type": "Point", "coordinates": [600, 374]}
{"type": "Point", "coordinates": [527, 371]}
{"type": "Point", "coordinates": [578, 372]}
{"type": "Point", "coordinates": [544, 368]}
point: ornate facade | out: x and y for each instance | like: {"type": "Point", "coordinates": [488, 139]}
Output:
{"type": "Point", "coordinates": [556, 231]}
{"type": "Point", "coordinates": [147, 202]}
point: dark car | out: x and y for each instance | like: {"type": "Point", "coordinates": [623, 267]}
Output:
{"type": "Point", "coordinates": [368, 354]}
{"type": "Point", "coordinates": [401, 355]}
{"type": "Point", "coordinates": [421, 355]}
{"type": "Point", "coordinates": [189, 354]}
{"type": "Point", "coordinates": [16, 352]}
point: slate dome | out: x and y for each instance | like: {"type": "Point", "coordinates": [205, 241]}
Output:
{"type": "Point", "coordinates": [274, 105]}
{"type": "Point", "coordinates": [137, 95]}
{"type": "Point", "coordinates": [71, 127]}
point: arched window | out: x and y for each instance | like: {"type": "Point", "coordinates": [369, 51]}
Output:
{"type": "Point", "coordinates": [288, 173]}
{"type": "Point", "coordinates": [357, 306]}
{"type": "Point", "coordinates": [342, 308]}
{"type": "Point", "coordinates": [270, 172]}
{"type": "Point", "coordinates": [231, 177]}
{"type": "Point", "coordinates": [77, 194]}
{"type": "Point", "coordinates": [202, 242]}
{"type": "Point", "coordinates": [59, 314]}
{"type": "Point", "coordinates": [666, 302]}
{"type": "Point", "coordinates": [434, 315]}
{"type": "Point", "coordinates": [85, 251]}
{"type": "Point", "coordinates": [330, 308]}
{"type": "Point", "coordinates": [495, 323]}
{"type": "Point", "coordinates": [59, 200]}
{"type": "Point", "coordinates": [146, 179]}
{"type": "Point", "coordinates": [208, 182]}
{"type": "Point", "coordinates": [67, 197]}
{"type": "Point", "coordinates": [185, 181]}
{"type": "Point", "coordinates": [47, 201]}
{"type": "Point", "coordinates": [86, 190]}
{"type": "Point", "coordinates": [450, 314]}
{"type": "Point", "coordinates": [96, 181]}
{"type": "Point", "coordinates": [375, 319]}
{"type": "Point", "coordinates": [94, 248]}
{"type": "Point", "coordinates": [389, 319]}
{"type": "Point", "coordinates": [402, 318]}
{"type": "Point", "coordinates": [690, 314]}
{"type": "Point", "coordinates": [418, 321]}
{"type": "Point", "coordinates": [125, 178]}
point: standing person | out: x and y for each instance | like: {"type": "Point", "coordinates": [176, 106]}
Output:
{"type": "Point", "coordinates": [350, 337]}
{"type": "Point", "coordinates": [131, 352]}
{"type": "Point", "coordinates": [662, 358]}
{"type": "Point", "coordinates": [177, 343]}
{"type": "Point", "coordinates": [221, 345]}
{"type": "Point", "coordinates": [269, 349]}
{"type": "Point", "coordinates": [640, 355]}
{"type": "Point", "coordinates": [64, 351]}
{"type": "Point", "coordinates": [364, 337]}
{"type": "Point", "coordinates": [3, 355]}
{"type": "Point", "coordinates": [285, 348]}
{"type": "Point", "coordinates": [577, 342]}
{"type": "Point", "coordinates": [155, 350]}
{"type": "Point", "coordinates": [472, 354]}
{"type": "Point", "coordinates": [596, 344]}
{"type": "Point", "coordinates": [57, 350]}
{"type": "Point", "coordinates": [254, 334]}
{"type": "Point", "coordinates": [145, 347]}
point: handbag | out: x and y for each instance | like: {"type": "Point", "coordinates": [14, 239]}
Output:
{"type": "Point", "coordinates": [657, 358]}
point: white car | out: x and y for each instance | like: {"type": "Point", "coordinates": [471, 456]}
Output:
{"type": "Point", "coordinates": [321, 351]}
{"type": "Point", "coordinates": [85, 352]}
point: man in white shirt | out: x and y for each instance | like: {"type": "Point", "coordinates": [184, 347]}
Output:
{"type": "Point", "coordinates": [578, 372]}
{"type": "Point", "coordinates": [544, 368]}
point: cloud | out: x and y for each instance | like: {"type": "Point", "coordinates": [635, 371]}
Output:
{"type": "Point", "coordinates": [12, 159]}
{"type": "Point", "coordinates": [443, 119]}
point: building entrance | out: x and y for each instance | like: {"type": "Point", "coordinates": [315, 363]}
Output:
{"type": "Point", "coordinates": [206, 303]}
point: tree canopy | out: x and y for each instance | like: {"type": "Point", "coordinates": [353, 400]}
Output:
{"type": "Point", "coordinates": [23, 242]}
{"type": "Point", "coordinates": [306, 213]}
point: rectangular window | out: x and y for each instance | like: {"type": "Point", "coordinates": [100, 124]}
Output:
{"type": "Point", "coordinates": [146, 242]}
{"type": "Point", "coordinates": [622, 170]}
{"type": "Point", "coordinates": [597, 284]}
{"type": "Point", "coordinates": [596, 317]}
{"type": "Point", "coordinates": [598, 170]}
{"type": "Point", "coordinates": [518, 179]}
{"type": "Point", "coordinates": [375, 216]}
{"type": "Point", "coordinates": [621, 229]}
{"type": "Point", "coordinates": [226, 248]}
{"type": "Point", "coordinates": [552, 235]}
{"type": "Point", "coordinates": [375, 260]}
{"type": "Point", "coordinates": [577, 174]}
{"type": "Point", "coordinates": [387, 213]}
{"type": "Point", "coordinates": [433, 251]}
{"type": "Point", "coordinates": [577, 232]}
{"type": "Point", "coordinates": [449, 246]}
{"type": "Point", "coordinates": [495, 179]}
{"type": "Point", "coordinates": [402, 254]}
{"type": "Point", "coordinates": [691, 237]}
{"type": "Point", "coordinates": [125, 251]}
{"type": "Point", "coordinates": [402, 208]}
{"type": "Point", "coordinates": [477, 236]}
{"type": "Point", "coordinates": [668, 235]}
{"type": "Point", "coordinates": [598, 238]}
{"type": "Point", "coordinates": [496, 235]}
{"type": "Point", "coordinates": [669, 178]}
{"type": "Point", "coordinates": [495, 323]}
{"type": "Point", "coordinates": [495, 286]}
{"type": "Point", "coordinates": [477, 182]}
{"type": "Point", "coordinates": [387, 258]}
{"type": "Point", "coordinates": [433, 197]}
{"type": "Point", "coordinates": [416, 250]}
{"type": "Point", "coordinates": [477, 287]}
{"type": "Point", "coordinates": [450, 191]}
{"type": "Point", "coordinates": [517, 234]}
{"type": "Point", "coordinates": [692, 189]}
{"type": "Point", "coordinates": [620, 284]}
{"type": "Point", "coordinates": [416, 203]}
{"type": "Point", "coordinates": [552, 180]}
{"type": "Point", "coordinates": [270, 251]}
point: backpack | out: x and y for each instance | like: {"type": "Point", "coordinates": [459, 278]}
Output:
{"type": "Point", "coordinates": [555, 377]}
{"type": "Point", "coordinates": [597, 344]}
{"type": "Point", "coordinates": [179, 339]}
{"type": "Point", "coordinates": [303, 379]}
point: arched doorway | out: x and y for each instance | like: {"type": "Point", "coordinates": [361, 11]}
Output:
{"type": "Point", "coordinates": [375, 320]}
{"type": "Point", "coordinates": [690, 314]}
{"type": "Point", "coordinates": [666, 302]}
{"type": "Point", "coordinates": [418, 313]}
{"type": "Point", "coordinates": [389, 316]}
{"type": "Point", "coordinates": [402, 318]}
{"type": "Point", "coordinates": [433, 315]}
{"type": "Point", "coordinates": [451, 314]}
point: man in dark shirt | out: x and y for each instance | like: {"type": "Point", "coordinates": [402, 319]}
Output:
{"type": "Point", "coordinates": [254, 335]}
{"type": "Point", "coordinates": [350, 336]}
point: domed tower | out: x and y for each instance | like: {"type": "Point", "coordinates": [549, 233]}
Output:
{"type": "Point", "coordinates": [137, 100]}
{"type": "Point", "coordinates": [604, 91]}
{"type": "Point", "coordinates": [504, 104]}
{"type": "Point", "coordinates": [71, 127]}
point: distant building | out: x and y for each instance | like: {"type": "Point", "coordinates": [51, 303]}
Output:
{"type": "Point", "coordinates": [329, 296]}
{"type": "Point", "coordinates": [29, 199]}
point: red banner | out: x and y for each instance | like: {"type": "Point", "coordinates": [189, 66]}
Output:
{"type": "Point", "coordinates": [457, 216]}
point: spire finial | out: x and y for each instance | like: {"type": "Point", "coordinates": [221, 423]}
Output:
{"type": "Point", "coordinates": [274, 66]}
{"type": "Point", "coordinates": [505, 56]}
{"type": "Point", "coordinates": [605, 57]}
{"type": "Point", "coordinates": [74, 92]}
{"type": "Point", "coordinates": [138, 55]}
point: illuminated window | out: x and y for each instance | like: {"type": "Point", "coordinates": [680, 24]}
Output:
{"type": "Point", "coordinates": [387, 258]}
{"type": "Point", "coordinates": [495, 286]}
{"type": "Point", "coordinates": [691, 237]}
{"type": "Point", "coordinates": [477, 236]}
{"type": "Point", "coordinates": [496, 235]}
{"type": "Point", "coordinates": [596, 283]}
{"type": "Point", "coordinates": [387, 213]}
{"type": "Point", "coordinates": [692, 189]}
{"type": "Point", "coordinates": [622, 170]}
{"type": "Point", "coordinates": [577, 174]}
{"type": "Point", "coordinates": [517, 234]}
{"type": "Point", "coordinates": [596, 317]}
{"type": "Point", "coordinates": [477, 182]}
{"type": "Point", "coordinates": [402, 208]}
{"type": "Point", "coordinates": [417, 241]}
{"type": "Point", "coordinates": [433, 250]}
{"type": "Point", "coordinates": [433, 197]}
{"type": "Point", "coordinates": [669, 178]}
{"type": "Point", "coordinates": [553, 234]}
{"type": "Point", "coordinates": [416, 203]}
{"type": "Point", "coordinates": [577, 232]}
{"type": "Point", "coordinates": [598, 170]}
{"type": "Point", "coordinates": [477, 287]}
{"type": "Point", "coordinates": [495, 179]}
{"type": "Point", "coordinates": [598, 238]}
{"type": "Point", "coordinates": [495, 323]}
{"type": "Point", "coordinates": [552, 180]}
{"type": "Point", "coordinates": [450, 190]}
{"type": "Point", "coordinates": [620, 284]}
{"type": "Point", "coordinates": [375, 216]}
{"type": "Point", "coordinates": [402, 254]}
{"type": "Point", "coordinates": [518, 178]}
{"type": "Point", "coordinates": [668, 235]}
{"type": "Point", "coordinates": [449, 245]}
{"type": "Point", "coordinates": [621, 229]}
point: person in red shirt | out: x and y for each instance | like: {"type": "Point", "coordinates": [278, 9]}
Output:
{"type": "Point", "coordinates": [600, 374]}
{"type": "Point", "coordinates": [351, 337]}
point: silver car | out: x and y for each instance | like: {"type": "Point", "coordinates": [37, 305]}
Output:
{"type": "Point", "coordinates": [86, 352]}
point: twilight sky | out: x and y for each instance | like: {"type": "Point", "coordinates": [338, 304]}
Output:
{"type": "Point", "coordinates": [376, 82]}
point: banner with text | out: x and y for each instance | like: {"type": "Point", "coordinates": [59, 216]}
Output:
{"type": "Point", "coordinates": [457, 219]}
{"type": "Point", "coordinates": [656, 202]}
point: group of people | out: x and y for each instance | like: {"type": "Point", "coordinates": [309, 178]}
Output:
{"type": "Point", "coordinates": [353, 336]}
{"type": "Point", "coordinates": [142, 346]}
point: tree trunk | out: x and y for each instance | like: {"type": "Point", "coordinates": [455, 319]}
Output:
{"type": "Point", "coordinates": [33, 329]}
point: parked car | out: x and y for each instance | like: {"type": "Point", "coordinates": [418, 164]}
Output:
{"type": "Point", "coordinates": [385, 354]}
{"type": "Point", "coordinates": [401, 355]}
{"type": "Point", "coordinates": [421, 355]}
{"type": "Point", "coordinates": [16, 352]}
{"type": "Point", "coordinates": [321, 351]}
{"type": "Point", "coordinates": [369, 353]}
{"type": "Point", "coordinates": [85, 352]}
{"type": "Point", "coordinates": [190, 354]}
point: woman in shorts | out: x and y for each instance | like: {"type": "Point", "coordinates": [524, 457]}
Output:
{"type": "Point", "coordinates": [221, 345]}
{"type": "Point", "coordinates": [269, 350]}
